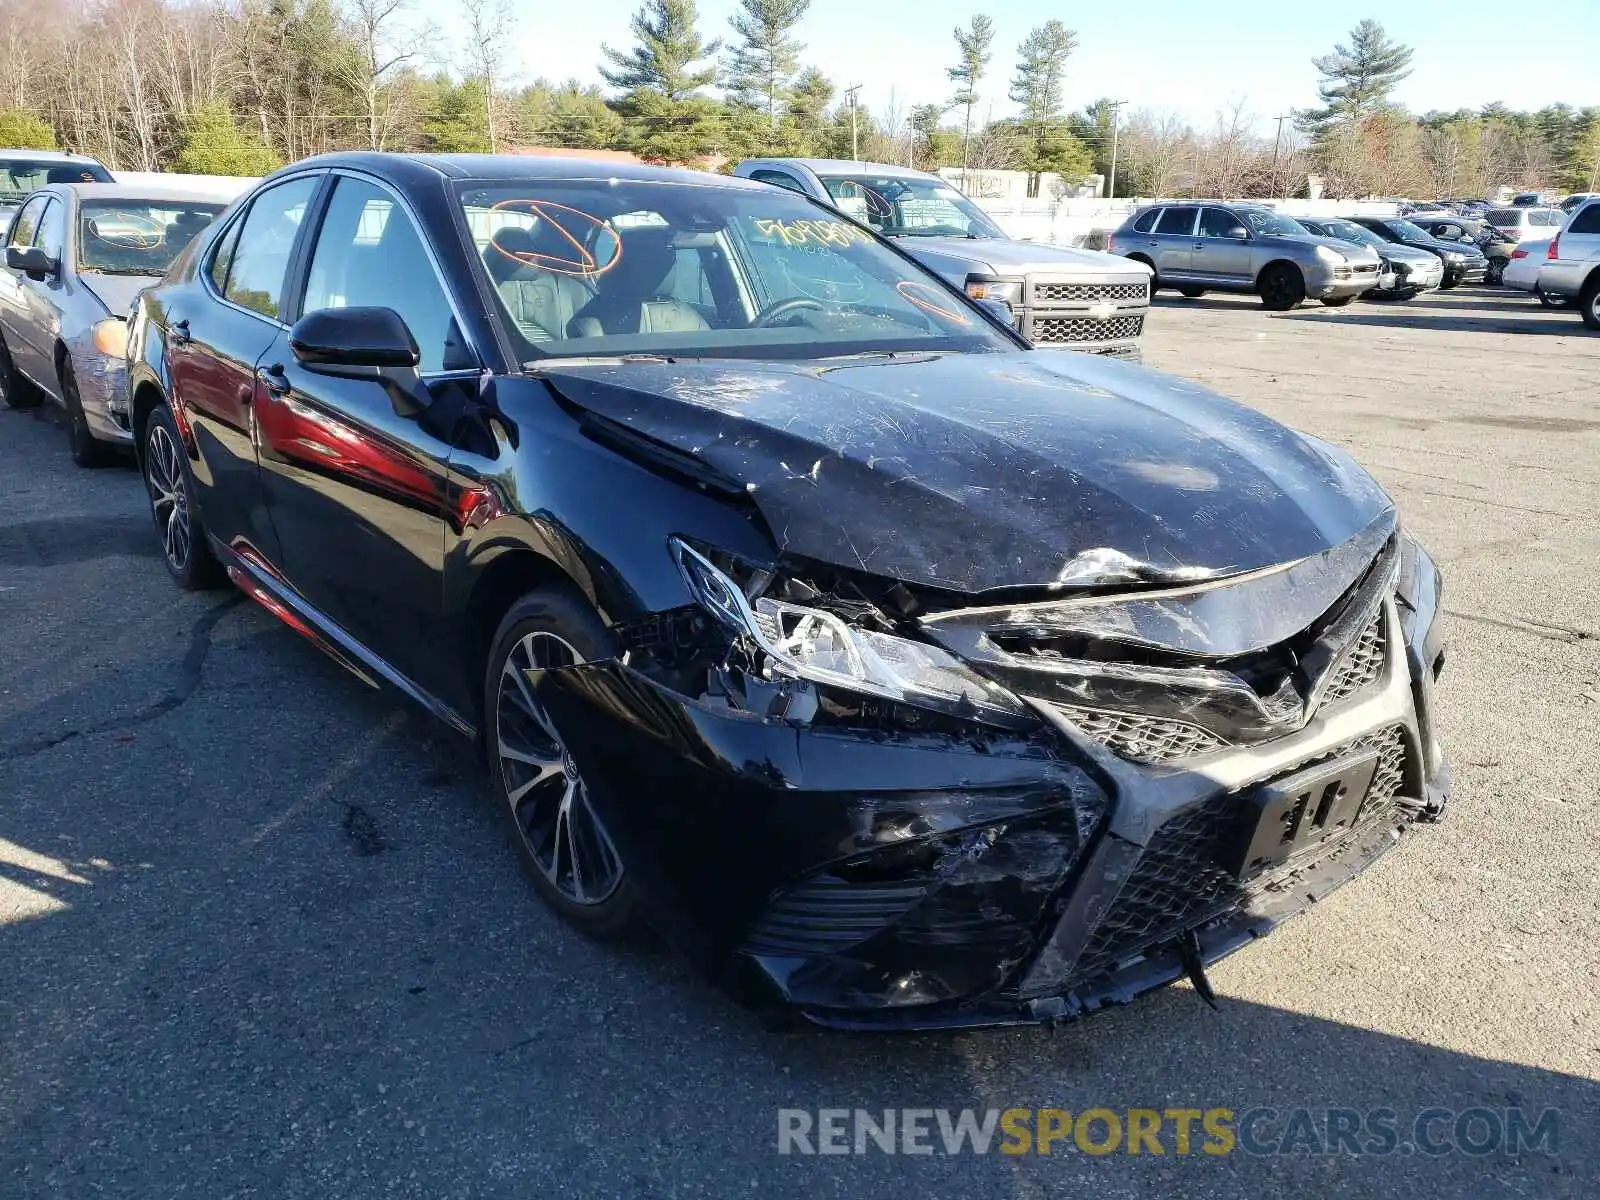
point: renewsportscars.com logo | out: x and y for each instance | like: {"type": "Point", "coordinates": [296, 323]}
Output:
{"type": "Point", "coordinates": [1375, 1132]}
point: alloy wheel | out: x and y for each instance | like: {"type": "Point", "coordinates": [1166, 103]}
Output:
{"type": "Point", "coordinates": [169, 497]}
{"type": "Point", "coordinates": [549, 801]}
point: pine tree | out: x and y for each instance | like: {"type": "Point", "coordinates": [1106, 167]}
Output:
{"type": "Point", "coordinates": [761, 67]}
{"type": "Point", "coordinates": [214, 145]}
{"type": "Point", "coordinates": [664, 60]}
{"type": "Point", "coordinates": [1358, 79]}
{"type": "Point", "coordinates": [1039, 88]}
{"type": "Point", "coordinates": [24, 131]}
{"type": "Point", "coordinates": [972, 46]}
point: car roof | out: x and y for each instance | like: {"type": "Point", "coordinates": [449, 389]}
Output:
{"type": "Point", "coordinates": [415, 168]}
{"type": "Point", "coordinates": [49, 156]}
{"type": "Point", "coordinates": [144, 191]}
{"type": "Point", "coordinates": [846, 166]}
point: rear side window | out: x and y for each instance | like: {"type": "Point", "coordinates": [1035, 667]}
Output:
{"type": "Point", "coordinates": [1178, 221]}
{"type": "Point", "coordinates": [1587, 219]}
{"type": "Point", "coordinates": [1146, 221]}
{"type": "Point", "coordinates": [260, 253]}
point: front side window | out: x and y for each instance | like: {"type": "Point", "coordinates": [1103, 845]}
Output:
{"type": "Point", "coordinates": [909, 207]}
{"type": "Point", "coordinates": [52, 235]}
{"type": "Point", "coordinates": [624, 267]}
{"type": "Point", "coordinates": [260, 254]}
{"type": "Point", "coordinates": [26, 226]}
{"type": "Point", "coordinates": [137, 237]}
{"type": "Point", "coordinates": [369, 255]}
{"type": "Point", "coordinates": [1219, 223]}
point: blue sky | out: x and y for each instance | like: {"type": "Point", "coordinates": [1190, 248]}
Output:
{"type": "Point", "coordinates": [1184, 56]}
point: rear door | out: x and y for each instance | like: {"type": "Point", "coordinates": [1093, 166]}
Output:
{"type": "Point", "coordinates": [1222, 247]}
{"type": "Point", "coordinates": [217, 335]}
{"type": "Point", "coordinates": [1174, 241]}
{"type": "Point", "coordinates": [357, 492]}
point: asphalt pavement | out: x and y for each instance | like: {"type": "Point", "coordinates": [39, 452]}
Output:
{"type": "Point", "coordinates": [261, 934]}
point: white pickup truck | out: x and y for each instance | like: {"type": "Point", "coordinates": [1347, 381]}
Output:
{"type": "Point", "coordinates": [1058, 296]}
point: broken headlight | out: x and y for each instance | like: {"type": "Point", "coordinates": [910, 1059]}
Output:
{"type": "Point", "coordinates": [819, 646]}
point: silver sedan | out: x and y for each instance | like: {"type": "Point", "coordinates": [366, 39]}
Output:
{"type": "Point", "coordinates": [76, 256]}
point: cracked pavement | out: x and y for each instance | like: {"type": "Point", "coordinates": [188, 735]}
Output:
{"type": "Point", "coordinates": [261, 935]}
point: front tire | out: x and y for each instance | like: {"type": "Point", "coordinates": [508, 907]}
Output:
{"type": "Point", "coordinates": [1550, 301]}
{"type": "Point", "coordinates": [1497, 271]}
{"type": "Point", "coordinates": [560, 839]}
{"type": "Point", "coordinates": [14, 389]}
{"type": "Point", "coordinates": [170, 485]}
{"type": "Point", "coordinates": [1281, 287]}
{"type": "Point", "coordinates": [1192, 293]}
{"type": "Point", "coordinates": [86, 450]}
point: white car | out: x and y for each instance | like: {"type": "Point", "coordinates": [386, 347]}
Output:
{"type": "Point", "coordinates": [1522, 272]}
{"type": "Point", "coordinates": [1526, 224]}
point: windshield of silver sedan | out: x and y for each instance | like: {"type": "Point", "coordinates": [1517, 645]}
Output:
{"type": "Point", "coordinates": [137, 237]}
{"type": "Point", "coordinates": [617, 267]}
{"type": "Point", "coordinates": [909, 207]}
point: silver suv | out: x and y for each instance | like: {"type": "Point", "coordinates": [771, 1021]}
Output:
{"type": "Point", "coordinates": [1244, 248]}
{"type": "Point", "coordinates": [1572, 264]}
{"type": "Point", "coordinates": [1059, 297]}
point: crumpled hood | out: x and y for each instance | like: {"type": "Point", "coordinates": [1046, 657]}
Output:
{"type": "Point", "coordinates": [979, 471]}
{"type": "Point", "coordinates": [116, 292]}
{"type": "Point", "coordinates": [1006, 257]}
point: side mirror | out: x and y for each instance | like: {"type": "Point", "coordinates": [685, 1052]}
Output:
{"type": "Point", "coordinates": [999, 310]}
{"type": "Point", "coordinates": [31, 261]}
{"type": "Point", "coordinates": [1239, 233]}
{"type": "Point", "coordinates": [363, 343]}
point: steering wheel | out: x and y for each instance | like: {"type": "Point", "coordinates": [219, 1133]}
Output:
{"type": "Point", "coordinates": [783, 308]}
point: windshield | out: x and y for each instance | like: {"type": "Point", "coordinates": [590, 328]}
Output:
{"type": "Point", "coordinates": [137, 237]}
{"type": "Point", "coordinates": [1349, 231]}
{"type": "Point", "coordinates": [1406, 230]}
{"type": "Point", "coordinates": [19, 176]}
{"type": "Point", "coordinates": [1264, 222]}
{"type": "Point", "coordinates": [611, 267]}
{"type": "Point", "coordinates": [909, 207]}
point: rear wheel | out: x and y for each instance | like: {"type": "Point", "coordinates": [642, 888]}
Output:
{"type": "Point", "coordinates": [1193, 293]}
{"type": "Point", "coordinates": [1497, 271]}
{"type": "Point", "coordinates": [14, 389]}
{"type": "Point", "coordinates": [86, 450]}
{"type": "Point", "coordinates": [1281, 287]}
{"type": "Point", "coordinates": [560, 838]}
{"type": "Point", "coordinates": [165, 466]}
{"type": "Point", "coordinates": [1449, 281]}
{"type": "Point", "coordinates": [1589, 303]}
{"type": "Point", "coordinates": [1338, 301]}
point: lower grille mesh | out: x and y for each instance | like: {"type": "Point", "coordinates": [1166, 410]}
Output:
{"type": "Point", "coordinates": [1086, 329]}
{"type": "Point", "coordinates": [1178, 883]}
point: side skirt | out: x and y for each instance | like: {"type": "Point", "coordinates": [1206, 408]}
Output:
{"type": "Point", "coordinates": [263, 585]}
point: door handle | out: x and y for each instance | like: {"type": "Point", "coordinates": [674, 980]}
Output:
{"type": "Point", "coordinates": [274, 380]}
{"type": "Point", "coordinates": [180, 333]}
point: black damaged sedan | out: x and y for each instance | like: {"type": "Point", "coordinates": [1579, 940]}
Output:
{"type": "Point", "coordinates": [900, 673]}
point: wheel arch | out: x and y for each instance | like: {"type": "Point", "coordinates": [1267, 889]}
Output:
{"type": "Point", "coordinates": [1280, 262]}
{"type": "Point", "coordinates": [147, 397]}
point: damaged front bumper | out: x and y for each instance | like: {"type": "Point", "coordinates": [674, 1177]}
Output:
{"type": "Point", "coordinates": [878, 878]}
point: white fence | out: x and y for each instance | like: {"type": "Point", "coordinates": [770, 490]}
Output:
{"type": "Point", "coordinates": [1079, 222]}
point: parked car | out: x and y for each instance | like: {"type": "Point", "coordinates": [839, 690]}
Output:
{"type": "Point", "coordinates": [1491, 243]}
{"type": "Point", "coordinates": [1522, 273]}
{"type": "Point", "coordinates": [1462, 263]}
{"type": "Point", "coordinates": [23, 172]}
{"type": "Point", "coordinates": [1577, 198]}
{"type": "Point", "coordinates": [711, 569]}
{"type": "Point", "coordinates": [1531, 200]}
{"type": "Point", "coordinates": [1525, 224]}
{"type": "Point", "coordinates": [1058, 296]}
{"type": "Point", "coordinates": [1403, 272]}
{"type": "Point", "coordinates": [1572, 264]}
{"type": "Point", "coordinates": [76, 255]}
{"type": "Point", "coordinates": [1245, 248]}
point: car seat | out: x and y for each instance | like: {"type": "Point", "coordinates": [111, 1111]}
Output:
{"type": "Point", "coordinates": [630, 298]}
{"type": "Point", "coordinates": [542, 301]}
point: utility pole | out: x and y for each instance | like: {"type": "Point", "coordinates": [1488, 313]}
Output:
{"type": "Point", "coordinates": [1116, 111]}
{"type": "Point", "coordinates": [850, 95]}
{"type": "Point", "coordinates": [1276, 141]}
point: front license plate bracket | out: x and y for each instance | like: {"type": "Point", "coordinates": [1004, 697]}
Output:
{"type": "Point", "coordinates": [1285, 817]}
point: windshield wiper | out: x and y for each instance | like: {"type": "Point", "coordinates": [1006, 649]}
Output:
{"type": "Point", "coordinates": [555, 363]}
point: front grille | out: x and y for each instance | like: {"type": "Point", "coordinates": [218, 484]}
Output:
{"type": "Point", "coordinates": [1361, 664]}
{"type": "Point", "coordinates": [1143, 739]}
{"type": "Point", "coordinates": [1086, 329]}
{"type": "Point", "coordinates": [1057, 293]}
{"type": "Point", "coordinates": [1178, 882]}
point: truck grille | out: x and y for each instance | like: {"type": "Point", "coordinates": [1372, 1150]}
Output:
{"type": "Point", "coordinates": [1056, 330]}
{"type": "Point", "coordinates": [1057, 293]}
{"type": "Point", "coordinates": [1178, 882]}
